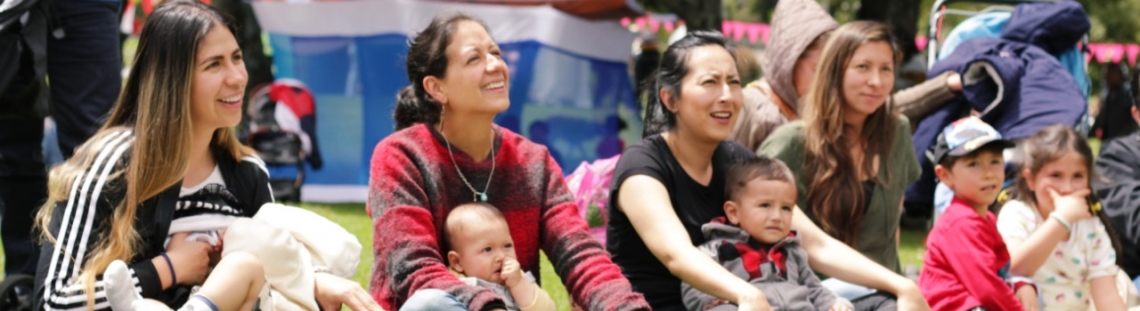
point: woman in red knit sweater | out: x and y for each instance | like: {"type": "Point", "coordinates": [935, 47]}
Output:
{"type": "Point", "coordinates": [449, 152]}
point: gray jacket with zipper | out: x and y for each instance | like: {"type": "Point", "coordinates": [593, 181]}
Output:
{"type": "Point", "coordinates": [795, 287]}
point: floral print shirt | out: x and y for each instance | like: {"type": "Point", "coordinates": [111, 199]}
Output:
{"type": "Point", "coordinates": [1064, 280]}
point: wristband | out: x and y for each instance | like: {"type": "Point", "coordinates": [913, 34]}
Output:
{"type": "Point", "coordinates": [173, 277]}
{"type": "Point", "coordinates": [1020, 284]}
{"type": "Point", "coordinates": [1061, 220]}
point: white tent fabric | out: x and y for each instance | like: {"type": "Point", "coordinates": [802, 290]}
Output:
{"type": "Point", "coordinates": [604, 40]}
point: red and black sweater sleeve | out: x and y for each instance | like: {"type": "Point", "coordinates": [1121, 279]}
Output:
{"type": "Point", "coordinates": [585, 267]}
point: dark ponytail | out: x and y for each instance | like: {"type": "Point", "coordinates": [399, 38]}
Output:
{"type": "Point", "coordinates": [427, 56]}
{"type": "Point", "coordinates": [411, 110]}
{"type": "Point", "coordinates": [674, 66]}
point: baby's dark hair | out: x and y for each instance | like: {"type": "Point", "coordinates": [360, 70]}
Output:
{"type": "Point", "coordinates": [456, 218]}
{"type": "Point", "coordinates": [744, 170]}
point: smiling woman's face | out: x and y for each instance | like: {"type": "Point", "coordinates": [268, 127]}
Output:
{"type": "Point", "coordinates": [219, 81]}
{"type": "Point", "coordinates": [477, 80]}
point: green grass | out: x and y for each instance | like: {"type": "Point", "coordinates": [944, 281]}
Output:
{"type": "Point", "coordinates": [912, 246]}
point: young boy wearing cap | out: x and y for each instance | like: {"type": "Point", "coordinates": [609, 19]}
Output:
{"type": "Point", "coordinates": [966, 259]}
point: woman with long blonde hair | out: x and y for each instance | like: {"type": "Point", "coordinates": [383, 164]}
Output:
{"type": "Point", "coordinates": [852, 153]}
{"type": "Point", "coordinates": [167, 154]}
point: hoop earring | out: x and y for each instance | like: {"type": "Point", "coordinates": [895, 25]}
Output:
{"type": "Point", "coordinates": [441, 110]}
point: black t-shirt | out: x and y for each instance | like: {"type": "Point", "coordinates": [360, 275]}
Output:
{"type": "Point", "coordinates": [694, 204]}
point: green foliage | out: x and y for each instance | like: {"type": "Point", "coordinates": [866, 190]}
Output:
{"type": "Point", "coordinates": [1113, 20]}
{"type": "Point", "coordinates": [595, 217]}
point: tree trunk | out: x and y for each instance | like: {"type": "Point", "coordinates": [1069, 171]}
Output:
{"type": "Point", "coordinates": [764, 10]}
{"type": "Point", "coordinates": [901, 15]}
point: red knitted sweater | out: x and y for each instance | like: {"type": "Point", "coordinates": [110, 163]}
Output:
{"type": "Point", "coordinates": [414, 185]}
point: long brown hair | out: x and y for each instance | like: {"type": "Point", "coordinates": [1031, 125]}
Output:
{"type": "Point", "coordinates": [835, 194]}
{"type": "Point", "coordinates": [1048, 145]}
{"type": "Point", "coordinates": [155, 108]}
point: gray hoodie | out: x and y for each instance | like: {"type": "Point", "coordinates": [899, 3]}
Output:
{"type": "Point", "coordinates": [794, 288]}
{"type": "Point", "coordinates": [795, 25]}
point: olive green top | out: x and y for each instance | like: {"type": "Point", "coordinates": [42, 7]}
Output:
{"type": "Point", "coordinates": [878, 233]}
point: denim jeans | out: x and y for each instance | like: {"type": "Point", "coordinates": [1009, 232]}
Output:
{"type": "Point", "coordinates": [431, 300]}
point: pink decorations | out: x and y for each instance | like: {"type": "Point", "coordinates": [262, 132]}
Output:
{"type": "Point", "coordinates": [1114, 52]}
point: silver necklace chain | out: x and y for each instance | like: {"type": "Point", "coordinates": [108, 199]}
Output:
{"type": "Point", "coordinates": [479, 196]}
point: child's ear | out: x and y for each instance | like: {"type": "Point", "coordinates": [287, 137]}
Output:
{"type": "Point", "coordinates": [731, 210]}
{"type": "Point", "coordinates": [1029, 179]}
{"type": "Point", "coordinates": [453, 261]}
{"type": "Point", "coordinates": [944, 175]}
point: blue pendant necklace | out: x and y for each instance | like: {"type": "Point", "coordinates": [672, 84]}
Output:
{"type": "Point", "coordinates": [479, 196]}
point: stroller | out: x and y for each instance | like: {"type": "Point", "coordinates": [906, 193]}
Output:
{"type": "Point", "coordinates": [282, 129]}
{"type": "Point", "coordinates": [988, 23]}
{"type": "Point", "coordinates": [982, 47]}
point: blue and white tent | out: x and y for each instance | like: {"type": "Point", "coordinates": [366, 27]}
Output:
{"type": "Point", "coordinates": [569, 78]}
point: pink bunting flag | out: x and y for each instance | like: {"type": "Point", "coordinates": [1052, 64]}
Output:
{"type": "Point", "coordinates": [727, 28]}
{"type": "Point", "coordinates": [754, 31]}
{"type": "Point", "coordinates": [921, 42]}
{"type": "Point", "coordinates": [1132, 50]}
{"type": "Point", "coordinates": [1116, 52]}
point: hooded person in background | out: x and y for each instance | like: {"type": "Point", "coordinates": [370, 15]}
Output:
{"type": "Point", "coordinates": [1115, 117]}
{"type": "Point", "coordinates": [1119, 189]}
{"type": "Point", "coordinates": [799, 30]}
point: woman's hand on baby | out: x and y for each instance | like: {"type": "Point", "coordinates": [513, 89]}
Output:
{"type": "Point", "coordinates": [911, 299]}
{"type": "Point", "coordinates": [1028, 297]}
{"type": "Point", "coordinates": [512, 272]}
{"type": "Point", "coordinates": [216, 250]}
{"type": "Point", "coordinates": [753, 302]}
{"type": "Point", "coordinates": [1073, 207]}
{"type": "Point", "coordinates": [333, 291]}
{"type": "Point", "coordinates": [191, 259]}
{"type": "Point", "coordinates": [839, 306]}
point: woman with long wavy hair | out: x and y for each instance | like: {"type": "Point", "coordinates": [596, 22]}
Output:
{"type": "Point", "coordinates": [167, 153]}
{"type": "Point", "coordinates": [852, 153]}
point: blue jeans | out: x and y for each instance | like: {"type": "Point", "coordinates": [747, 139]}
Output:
{"type": "Point", "coordinates": [1136, 282]}
{"type": "Point", "coordinates": [845, 290]}
{"type": "Point", "coordinates": [431, 300]}
{"type": "Point", "coordinates": [942, 197]}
